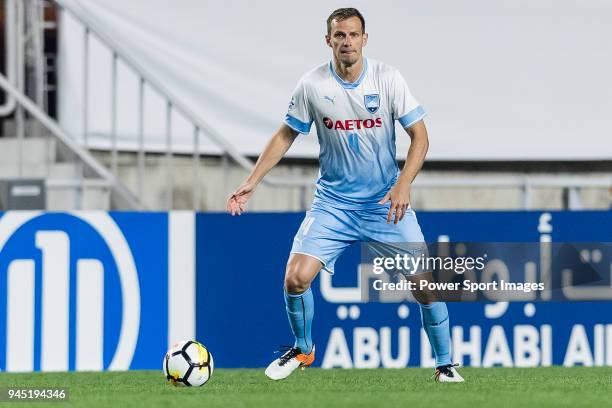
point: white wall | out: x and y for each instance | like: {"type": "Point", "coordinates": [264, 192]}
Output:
{"type": "Point", "coordinates": [501, 80]}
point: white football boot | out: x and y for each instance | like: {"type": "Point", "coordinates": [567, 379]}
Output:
{"type": "Point", "coordinates": [447, 373]}
{"type": "Point", "coordinates": [283, 366]}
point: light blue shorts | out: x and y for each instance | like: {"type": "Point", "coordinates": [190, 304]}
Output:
{"type": "Point", "coordinates": [326, 231]}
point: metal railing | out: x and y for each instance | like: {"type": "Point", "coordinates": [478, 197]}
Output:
{"type": "Point", "coordinates": [172, 104]}
{"type": "Point", "coordinates": [10, 40]}
{"type": "Point", "coordinates": [201, 128]}
{"type": "Point", "coordinates": [108, 179]}
{"type": "Point", "coordinates": [527, 184]}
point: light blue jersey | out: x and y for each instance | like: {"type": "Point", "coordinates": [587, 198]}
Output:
{"type": "Point", "coordinates": [356, 130]}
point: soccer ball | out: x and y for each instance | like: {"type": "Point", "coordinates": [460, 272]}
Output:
{"type": "Point", "coordinates": [188, 363]}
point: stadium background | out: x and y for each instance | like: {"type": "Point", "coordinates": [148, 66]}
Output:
{"type": "Point", "coordinates": [125, 125]}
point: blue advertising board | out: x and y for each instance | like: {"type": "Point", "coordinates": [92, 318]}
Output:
{"type": "Point", "coordinates": [89, 290]}
{"type": "Point", "coordinates": [241, 316]}
{"type": "Point", "coordinates": [112, 291]}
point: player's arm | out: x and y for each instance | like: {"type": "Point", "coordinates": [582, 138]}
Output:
{"type": "Point", "coordinates": [276, 148]}
{"type": "Point", "coordinates": [399, 195]}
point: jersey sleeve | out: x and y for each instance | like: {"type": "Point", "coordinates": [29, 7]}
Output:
{"type": "Point", "coordinates": [298, 115]}
{"type": "Point", "coordinates": [406, 109]}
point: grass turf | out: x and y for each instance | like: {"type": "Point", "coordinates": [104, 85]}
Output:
{"type": "Point", "coordinates": [500, 387]}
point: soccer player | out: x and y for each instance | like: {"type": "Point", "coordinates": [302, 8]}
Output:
{"type": "Point", "coordinates": [360, 195]}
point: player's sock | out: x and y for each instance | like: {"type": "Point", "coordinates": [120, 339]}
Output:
{"type": "Point", "coordinates": [300, 310]}
{"type": "Point", "coordinates": [435, 322]}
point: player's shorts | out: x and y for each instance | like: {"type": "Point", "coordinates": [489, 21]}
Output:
{"type": "Point", "coordinates": [326, 232]}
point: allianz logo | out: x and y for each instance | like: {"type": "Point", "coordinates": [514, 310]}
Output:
{"type": "Point", "coordinates": [18, 280]}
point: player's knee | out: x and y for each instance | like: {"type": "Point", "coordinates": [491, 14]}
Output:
{"type": "Point", "coordinates": [294, 281]}
{"type": "Point", "coordinates": [301, 271]}
{"type": "Point", "coordinates": [424, 297]}
{"type": "Point", "coordinates": [294, 284]}
{"type": "Point", "coordinates": [426, 302]}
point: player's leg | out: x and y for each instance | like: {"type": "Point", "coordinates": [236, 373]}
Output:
{"type": "Point", "coordinates": [435, 321]}
{"type": "Point", "coordinates": [434, 314]}
{"type": "Point", "coordinates": [301, 271]}
{"type": "Point", "coordinates": [322, 237]}
{"type": "Point", "coordinates": [434, 318]}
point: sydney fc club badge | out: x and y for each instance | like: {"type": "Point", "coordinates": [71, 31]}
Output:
{"type": "Point", "coordinates": [372, 102]}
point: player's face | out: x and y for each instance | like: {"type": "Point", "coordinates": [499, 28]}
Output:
{"type": "Point", "coordinates": [347, 39]}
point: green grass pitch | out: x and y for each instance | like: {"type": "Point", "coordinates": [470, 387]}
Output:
{"type": "Point", "coordinates": [496, 387]}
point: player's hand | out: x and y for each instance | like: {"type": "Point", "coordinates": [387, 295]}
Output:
{"type": "Point", "coordinates": [237, 201]}
{"type": "Point", "coordinates": [399, 196]}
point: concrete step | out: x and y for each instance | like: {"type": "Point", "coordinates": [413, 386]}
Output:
{"type": "Point", "coordinates": [66, 199]}
{"type": "Point", "coordinates": [35, 150]}
{"type": "Point", "coordinates": [32, 127]}
{"type": "Point", "coordinates": [39, 170]}
{"type": "Point", "coordinates": [64, 171]}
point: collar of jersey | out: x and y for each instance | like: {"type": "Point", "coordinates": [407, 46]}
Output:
{"type": "Point", "coordinates": [349, 85]}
